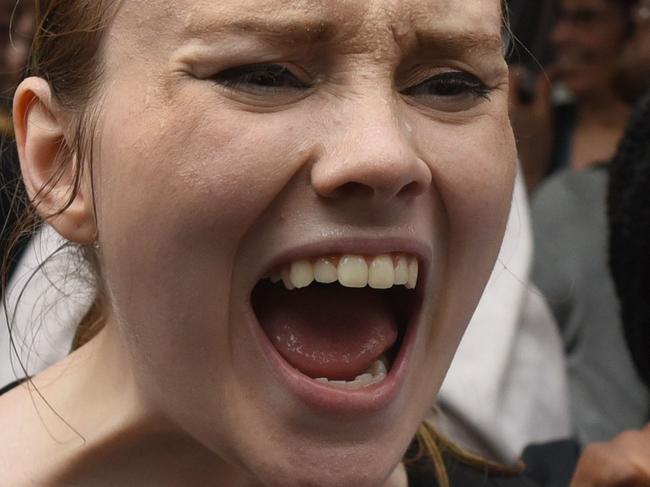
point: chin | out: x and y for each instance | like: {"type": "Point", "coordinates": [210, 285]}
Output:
{"type": "Point", "coordinates": [365, 467]}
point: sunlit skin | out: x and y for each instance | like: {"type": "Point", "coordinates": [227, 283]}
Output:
{"type": "Point", "coordinates": [204, 180]}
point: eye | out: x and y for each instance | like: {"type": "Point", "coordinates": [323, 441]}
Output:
{"type": "Point", "coordinates": [454, 90]}
{"type": "Point", "coordinates": [261, 79]}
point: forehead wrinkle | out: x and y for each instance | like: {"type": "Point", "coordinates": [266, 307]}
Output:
{"type": "Point", "coordinates": [439, 25]}
{"type": "Point", "coordinates": [381, 26]}
{"type": "Point", "coordinates": [294, 30]}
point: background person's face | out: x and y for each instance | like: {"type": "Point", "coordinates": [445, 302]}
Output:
{"type": "Point", "coordinates": [214, 166]}
{"type": "Point", "coordinates": [15, 37]}
{"type": "Point", "coordinates": [588, 38]}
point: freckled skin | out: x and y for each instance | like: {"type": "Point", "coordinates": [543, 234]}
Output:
{"type": "Point", "coordinates": [198, 188]}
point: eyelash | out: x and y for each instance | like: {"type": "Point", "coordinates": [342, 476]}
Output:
{"type": "Point", "coordinates": [270, 78]}
{"type": "Point", "coordinates": [260, 77]}
{"type": "Point", "coordinates": [451, 84]}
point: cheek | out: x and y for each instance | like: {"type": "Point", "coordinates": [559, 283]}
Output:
{"type": "Point", "coordinates": [178, 185]}
{"type": "Point", "coordinates": [474, 176]}
{"type": "Point", "coordinates": [474, 167]}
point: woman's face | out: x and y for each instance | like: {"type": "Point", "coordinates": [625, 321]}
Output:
{"type": "Point", "coordinates": [239, 140]}
{"type": "Point", "coordinates": [588, 39]}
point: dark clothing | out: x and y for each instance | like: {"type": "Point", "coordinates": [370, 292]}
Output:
{"type": "Point", "coordinates": [629, 224]}
{"type": "Point", "coordinates": [551, 464]}
{"type": "Point", "coordinates": [8, 387]}
{"type": "Point", "coordinates": [421, 474]}
{"type": "Point", "coordinates": [565, 123]}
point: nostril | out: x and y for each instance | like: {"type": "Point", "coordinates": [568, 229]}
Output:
{"type": "Point", "coordinates": [353, 189]}
{"type": "Point", "coordinates": [410, 190]}
{"type": "Point", "coordinates": [359, 190]}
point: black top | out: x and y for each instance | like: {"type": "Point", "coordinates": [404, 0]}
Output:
{"type": "Point", "coordinates": [422, 474]}
{"type": "Point", "coordinates": [629, 225]}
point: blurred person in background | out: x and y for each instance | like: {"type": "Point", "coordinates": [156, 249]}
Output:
{"type": "Point", "coordinates": [571, 270]}
{"type": "Point", "coordinates": [578, 121]}
{"type": "Point", "coordinates": [625, 459]}
{"type": "Point", "coordinates": [633, 78]}
{"type": "Point", "coordinates": [15, 37]}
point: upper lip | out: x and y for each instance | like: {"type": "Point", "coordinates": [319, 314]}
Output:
{"type": "Point", "coordinates": [352, 245]}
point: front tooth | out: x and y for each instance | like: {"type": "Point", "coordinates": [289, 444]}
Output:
{"type": "Point", "coordinates": [301, 274]}
{"type": "Point", "coordinates": [413, 274]}
{"type": "Point", "coordinates": [401, 271]}
{"type": "Point", "coordinates": [325, 271]}
{"type": "Point", "coordinates": [353, 271]}
{"type": "Point", "coordinates": [286, 278]}
{"type": "Point", "coordinates": [381, 274]}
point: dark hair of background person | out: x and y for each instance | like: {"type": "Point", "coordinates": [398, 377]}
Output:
{"type": "Point", "coordinates": [16, 27]}
{"type": "Point", "coordinates": [629, 222]}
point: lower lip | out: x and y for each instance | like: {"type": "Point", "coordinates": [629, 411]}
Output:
{"type": "Point", "coordinates": [330, 400]}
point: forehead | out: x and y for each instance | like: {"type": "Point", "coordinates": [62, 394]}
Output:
{"type": "Point", "coordinates": [345, 19]}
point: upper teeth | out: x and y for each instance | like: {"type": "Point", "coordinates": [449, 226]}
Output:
{"type": "Point", "coordinates": [379, 272]}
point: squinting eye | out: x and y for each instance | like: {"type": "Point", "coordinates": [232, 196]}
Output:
{"type": "Point", "coordinates": [449, 87]}
{"type": "Point", "coordinates": [260, 78]}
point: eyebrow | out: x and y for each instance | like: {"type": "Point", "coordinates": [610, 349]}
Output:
{"type": "Point", "coordinates": [457, 42]}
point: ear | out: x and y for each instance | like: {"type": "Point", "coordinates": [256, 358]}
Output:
{"type": "Point", "coordinates": [48, 165]}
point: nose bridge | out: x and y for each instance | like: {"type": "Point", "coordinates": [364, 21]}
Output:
{"type": "Point", "coordinates": [371, 154]}
{"type": "Point", "coordinates": [562, 30]}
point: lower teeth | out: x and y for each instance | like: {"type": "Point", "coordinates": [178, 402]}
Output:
{"type": "Point", "coordinates": [375, 373]}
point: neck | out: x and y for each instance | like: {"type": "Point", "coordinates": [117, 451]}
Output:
{"type": "Point", "coordinates": [86, 423]}
{"type": "Point", "coordinates": [606, 110]}
{"type": "Point", "coordinates": [89, 424]}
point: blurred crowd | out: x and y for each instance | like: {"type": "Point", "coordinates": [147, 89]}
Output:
{"type": "Point", "coordinates": [581, 120]}
{"type": "Point", "coordinates": [579, 73]}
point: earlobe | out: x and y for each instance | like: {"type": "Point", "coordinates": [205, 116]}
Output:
{"type": "Point", "coordinates": [49, 167]}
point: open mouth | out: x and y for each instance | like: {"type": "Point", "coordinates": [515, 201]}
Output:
{"type": "Point", "coordinates": [340, 320]}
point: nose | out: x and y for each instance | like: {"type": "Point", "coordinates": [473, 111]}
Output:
{"type": "Point", "coordinates": [371, 158]}
{"type": "Point", "coordinates": [561, 32]}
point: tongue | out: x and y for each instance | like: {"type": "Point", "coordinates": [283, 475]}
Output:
{"type": "Point", "coordinates": [327, 331]}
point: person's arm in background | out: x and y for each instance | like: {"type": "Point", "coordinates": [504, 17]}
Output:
{"type": "Point", "coordinates": [621, 462]}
